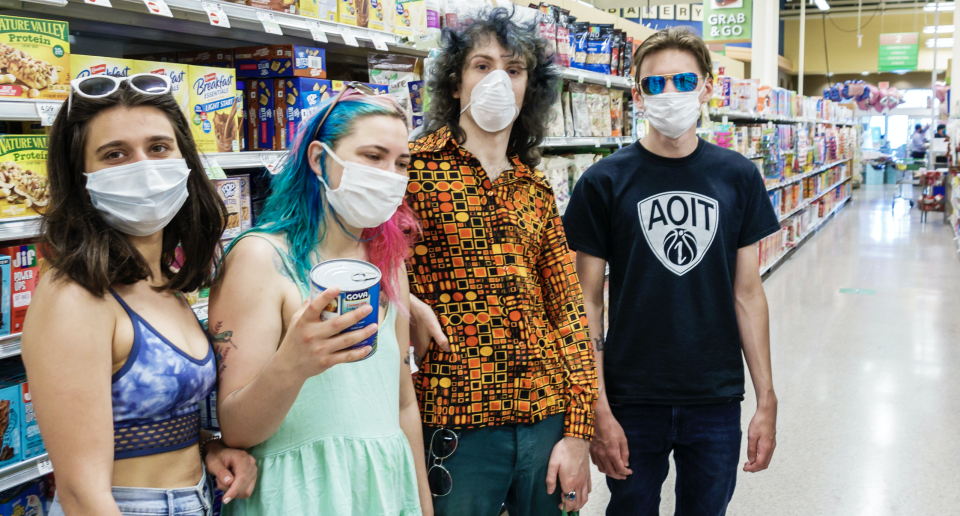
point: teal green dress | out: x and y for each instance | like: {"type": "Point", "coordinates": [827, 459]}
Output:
{"type": "Point", "coordinates": [340, 450]}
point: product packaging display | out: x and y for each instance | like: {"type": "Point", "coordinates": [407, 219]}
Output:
{"type": "Point", "coordinates": [580, 35]}
{"type": "Point", "coordinates": [280, 138]}
{"type": "Point", "coordinates": [23, 176]}
{"type": "Point", "coordinates": [397, 73]}
{"type": "Point", "coordinates": [280, 6]}
{"type": "Point", "coordinates": [281, 61]}
{"type": "Point", "coordinates": [5, 292]}
{"type": "Point", "coordinates": [547, 27]}
{"type": "Point", "coordinates": [11, 416]}
{"type": "Point", "coordinates": [215, 115]}
{"type": "Point", "coordinates": [251, 115]}
{"type": "Point", "coordinates": [246, 208]}
{"type": "Point", "coordinates": [34, 59]}
{"type": "Point", "coordinates": [217, 58]}
{"type": "Point", "coordinates": [30, 440]}
{"type": "Point", "coordinates": [26, 268]}
{"type": "Point", "coordinates": [85, 66]}
{"type": "Point", "coordinates": [208, 412]}
{"type": "Point", "coordinates": [599, 43]}
{"type": "Point", "coordinates": [564, 52]}
{"type": "Point", "coordinates": [230, 193]}
{"type": "Point", "coordinates": [303, 99]}
{"type": "Point", "coordinates": [347, 11]}
{"type": "Point", "coordinates": [177, 72]}
{"type": "Point", "coordinates": [24, 500]}
{"type": "Point", "coordinates": [265, 113]}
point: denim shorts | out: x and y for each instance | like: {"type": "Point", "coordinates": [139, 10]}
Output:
{"type": "Point", "coordinates": [142, 501]}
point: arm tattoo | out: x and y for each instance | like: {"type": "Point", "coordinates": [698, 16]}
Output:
{"type": "Point", "coordinates": [222, 344]}
{"type": "Point", "coordinates": [598, 343]}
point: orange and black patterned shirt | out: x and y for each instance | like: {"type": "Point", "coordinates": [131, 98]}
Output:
{"type": "Point", "coordinates": [495, 266]}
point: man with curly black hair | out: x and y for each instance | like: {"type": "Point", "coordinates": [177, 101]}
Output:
{"type": "Point", "coordinates": [507, 386]}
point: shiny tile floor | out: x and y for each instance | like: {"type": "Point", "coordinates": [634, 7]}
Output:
{"type": "Point", "coordinates": [869, 385]}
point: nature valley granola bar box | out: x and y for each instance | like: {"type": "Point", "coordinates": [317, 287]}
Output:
{"type": "Point", "coordinates": [34, 59]}
{"type": "Point", "coordinates": [215, 114]}
{"type": "Point", "coordinates": [178, 79]}
{"type": "Point", "coordinates": [23, 176]}
{"type": "Point", "coordinates": [85, 66]}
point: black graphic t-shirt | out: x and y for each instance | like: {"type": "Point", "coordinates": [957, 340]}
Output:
{"type": "Point", "coordinates": [670, 230]}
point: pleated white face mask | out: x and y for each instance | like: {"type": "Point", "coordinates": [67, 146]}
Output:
{"type": "Point", "coordinates": [367, 196]}
{"type": "Point", "coordinates": [493, 105]}
{"type": "Point", "coordinates": [673, 113]}
{"type": "Point", "coordinates": [140, 198]}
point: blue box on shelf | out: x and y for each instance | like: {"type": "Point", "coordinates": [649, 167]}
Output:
{"type": "Point", "coordinates": [4, 295]}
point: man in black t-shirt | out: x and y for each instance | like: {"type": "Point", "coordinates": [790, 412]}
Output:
{"type": "Point", "coordinates": [678, 220]}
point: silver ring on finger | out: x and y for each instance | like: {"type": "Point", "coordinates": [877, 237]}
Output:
{"type": "Point", "coordinates": [571, 496]}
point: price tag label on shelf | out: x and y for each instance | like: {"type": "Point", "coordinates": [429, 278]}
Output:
{"type": "Point", "coordinates": [580, 78]}
{"type": "Point", "coordinates": [158, 7]}
{"type": "Point", "coordinates": [44, 467]}
{"type": "Point", "coordinates": [215, 13]}
{"type": "Point", "coordinates": [270, 162]}
{"type": "Point", "coordinates": [47, 111]}
{"type": "Point", "coordinates": [214, 170]}
{"type": "Point", "coordinates": [608, 81]}
{"type": "Point", "coordinates": [379, 41]}
{"type": "Point", "coordinates": [348, 37]}
{"type": "Point", "coordinates": [104, 3]}
{"type": "Point", "coordinates": [316, 30]}
{"type": "Point", "coordinates": [269, 22]}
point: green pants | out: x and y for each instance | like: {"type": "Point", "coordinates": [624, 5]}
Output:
{"type": "Point", "coordinates": [499, 465]}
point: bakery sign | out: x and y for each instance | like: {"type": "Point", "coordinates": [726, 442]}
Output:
{"type": "Point", "coordinates": [727, 21]}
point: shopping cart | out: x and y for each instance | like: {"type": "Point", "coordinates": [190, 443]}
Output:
{"type": "Point", "coordinates": [904, 169]}
{"type": "Point", "coordinates": [932, 195]}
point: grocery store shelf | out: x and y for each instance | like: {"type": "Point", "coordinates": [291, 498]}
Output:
{"type": "Point", "coordinates": [587, 142]}
{"type": "Point", "coordinates": [776, 261]}
{"type": "Point", "coordinates": [800, 177]}
{"type": "Point", "coordinates": [610, 81]}
{"type": "Point", "coordinates": [19, 228]}
{"type": "Point", "coordinates": [10, 346]}
{"type": "Point", "coordinates": [21, 472]}
{"type": "Point", "coordinates": [754, 117]}
{"type": "Point", "coordinates": [190, 17]}
{"type": "Point", "coordinates": [22, 110]}
{"type": "Point", "coordinates": [809, 201]}
{"type": "Point", "coordinates": [252, 159]}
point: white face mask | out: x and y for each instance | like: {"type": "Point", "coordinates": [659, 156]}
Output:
{"type": "Point", "coordinates": [367, 196]}
{"type": "Point", "coordinates": [492, 102]}
{"type": "Point", "coordinates": [672, 113]}
{"type": "Point", "coordinates": [140, 198]}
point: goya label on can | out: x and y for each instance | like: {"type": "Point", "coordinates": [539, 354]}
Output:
{"type": "Point", "coordinates": [359, 284]}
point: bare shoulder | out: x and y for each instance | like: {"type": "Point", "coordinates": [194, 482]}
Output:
{"type": "Point", "coordinates": [63, 297]}
{"type": "Point", "coordinates": [63, 313]}
{"type": "Point", "coordinates": [257, 257]}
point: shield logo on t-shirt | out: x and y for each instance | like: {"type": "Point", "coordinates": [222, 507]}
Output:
{"type": "Point", "coordinates": [679, 227]}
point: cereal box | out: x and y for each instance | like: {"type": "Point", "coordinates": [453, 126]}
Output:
{"type": "Point", "coordinates": [381, 89]}
{"type": "Point", "coordinates": [251, 118]}
{"type": "Point", "coordinates": [281, 61]}
{"type": "Point", "coordinates": [229, 191]}
{"type": "Point", "coordinates": [347, 11]}
{"type": "Point", "coordinates": [11, 415]}
{"type": "Point", "coordinates": [30, 440]}
{"type": "Point", "coordinates": [279, 114]}
{"type": "Point", "coordinates": [246, 208]}
{"type": "Point", "coordinates": [24, 276]}
{"type": "Point", "coordinates": [24, 500]}
{"type": "Point", "coordinates": [178, 78]}
{"type": "Point", "coordinates": [214, 108]}
{"type": "Point", "coordinates": [218, 58]}
{"type": "Point", "coordinates": [267, 129]}
{"type": "Point", "coordinates": [327, 10]}
{"type": "Point", "coordinates": [309, 8]}
{"type": "Point", "coordinates": [23, 176]}
{"type": "Point", "coordinates": [4, 295]}
{"type": "Point", "coordinates": [84, 66]}
{"type": "Point", "coordinates": [411, 18]}
{"type": "Point", "coordinates": [304, 97]}
{"type": "Point", "coordinates": [34, 58]}
{"type": "Point", "coordinates": [376, 15]}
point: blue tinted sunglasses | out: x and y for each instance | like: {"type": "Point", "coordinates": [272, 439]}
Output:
{"type": "Point", "coordinates": [655, 84]}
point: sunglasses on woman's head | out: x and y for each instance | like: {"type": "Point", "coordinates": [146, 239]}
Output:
{"type": "Point", "coordinates": [99, 86]}
{"type": "Point", "coordinates": [357, 86]}
{"type": "Point", "coordinates": [655, 84]}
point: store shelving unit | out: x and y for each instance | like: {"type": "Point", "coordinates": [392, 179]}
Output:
{"type": "Point", "coordinates": [767, 269]}
{"type": "Point", "coordinates": [610, 81]}
{"type": "Point", "coordinates": [9, 347]}
{"type": "Point", "coordinates": [25, 471]}
{"type": "Point", "coordinates": [588, 142]}
{"type": "Point", "coordinates": [754, 117]}
{"type": "Point", "coordinates": [809, 201]}
{"type": "Point", "coordinates": [800, 177]}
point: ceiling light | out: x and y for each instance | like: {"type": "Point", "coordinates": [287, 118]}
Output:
{"type": "Point", "coordinates": [946, 6]}
{"type": "Point", "coordinates": [941, 29]}
{"type": "Point", "coordinates": [864, 73]}
{"type": "Point", "coordinates": [940, 42]}
{"type": "Point", "coordinates": [822, 5]}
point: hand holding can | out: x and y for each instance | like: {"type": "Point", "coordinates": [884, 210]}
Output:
{"type": "Point", "coordinates": [312, 345]}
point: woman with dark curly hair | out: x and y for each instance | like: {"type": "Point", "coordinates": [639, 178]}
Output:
{"type": "Point", "coordinates": [508, 383]}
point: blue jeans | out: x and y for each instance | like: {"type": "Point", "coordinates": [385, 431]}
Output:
{"type": "Point", "coordinates": [497, 465]}
{"type": "Point", "coordinates": [705, 441]}
{"type": "Point", "coordinates": [142, 501]}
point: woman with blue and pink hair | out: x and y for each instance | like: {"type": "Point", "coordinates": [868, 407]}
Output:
{"type": "Point", "coordinates": [331, 434]}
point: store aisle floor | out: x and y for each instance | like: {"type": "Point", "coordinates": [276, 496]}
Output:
{"type": "Point", "coordinates": [869, 383]}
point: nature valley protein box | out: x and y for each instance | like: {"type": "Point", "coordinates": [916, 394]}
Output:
{"type": "Point", "coordinates": [84, 66]}
{"type": "Point", "coordinates": [215, 115]}
{"type": "Point", "coordinates": [23, 175]}
{"type": "Point", "coordinates": [34, 59]}
{"type": "Point", "coordinates": [178, 79]}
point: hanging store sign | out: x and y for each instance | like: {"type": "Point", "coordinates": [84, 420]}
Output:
{"type": "Point", "coordinates": [727, 21]}
{"type": "Point", "coordinates": [898, 52]}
